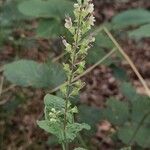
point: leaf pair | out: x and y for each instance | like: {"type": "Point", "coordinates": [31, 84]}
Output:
{"type": "Point", "coordinates": [57, 128]}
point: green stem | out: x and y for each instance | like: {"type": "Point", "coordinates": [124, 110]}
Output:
{"type": "Point", "coordinates": [82, 141]}
{"type": "Point", "coordinates": [71, 78]}
{"type": "Point", "coordinates": [63, 146]}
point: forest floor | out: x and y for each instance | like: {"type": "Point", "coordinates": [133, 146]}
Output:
{"type": "Point", "coordinates": [22, 131]}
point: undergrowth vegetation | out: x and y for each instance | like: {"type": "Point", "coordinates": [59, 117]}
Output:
{"type": "Point", "coordinates": [69, 122]}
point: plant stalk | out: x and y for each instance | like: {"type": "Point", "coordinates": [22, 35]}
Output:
{"type": "Point", "coordinates": [71, 77]}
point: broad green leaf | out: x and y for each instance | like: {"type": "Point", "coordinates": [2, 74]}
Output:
{"type": "Point", "coordinates": [57, 75]}
{"type": "Point", "coordinates": [10, 13]}
{"type": "Point", "coordinates": [73, 129]}
{"type": "Point", "coordinates": [141, 32]}
{"type": "Point", "coordinates": [100, 48]}
{"type": "Point", "coordinates": [103, 41]}
{"type": "Point", "coordinates": [116, 112]}
{"type": "Point", "coordinates": [141, 108]}
{"type": "Point", "coordinates": [128, 91]}
{"type": "Point", "coordinates": [125, 133]}
{"type": "Point", "coordinates": [30, 73]}
{"type": "Point", "coordinates": [54, 102]}
{"type": "Point", "coordinates": [119, 72]}
{"type": "Point", "coordinates": [89, 115]}
{"type": "Point", "coordinates": [46, 8]}
{"type": "Point", "coordinates": [141, 136]}
{"type": "Point", "coordinates": [53, 128]}
{"type": "Point", "coordinates": [49, 28]}
{"type": "Point", "coordinates": [133, 17]}
{"type": "Point", "coordinates": [94, 55]}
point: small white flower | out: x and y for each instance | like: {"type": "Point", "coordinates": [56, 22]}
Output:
{"type": "Point", "coordinates": [90, 8]}
{"type": "Point", "coordinates": [76, 6]}
{"type": "Point", "coordinates": [53, 120]}
{"type": "Point", "coordinates": [68, 23]}
{"type": "Point", "coordinates": [91, 20]}
{"type": "Point", "coordinates": [50, 114]}
{"type": "Point", "coordinates": [53, 110]}
{"type": "Point", "coordinates": [92, 39]}
{"type": "Point", "coordinates": [65, 43]}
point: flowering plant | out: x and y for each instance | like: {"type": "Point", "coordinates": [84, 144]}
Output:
{"type": "Point", "coordinates": [59, 113]}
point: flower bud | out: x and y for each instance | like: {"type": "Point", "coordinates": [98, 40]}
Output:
{"type": "Point", "coordinates": [90, 8]}
{"type": "Point", "coordinates": [91, 20]}
{"type": "Point", "coordinates": [68, 23]}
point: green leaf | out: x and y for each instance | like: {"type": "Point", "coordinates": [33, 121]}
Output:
{"type": "Point", "coordinates": [54, 128]}
{"type": "Point", "coordinates": [103, 41]}
{"type": "Point", "coordinates": [116, 112]}
{"type": "Point", "coordinates": [125, 133]}
{"type": "Point", "coordinates": [142, 136]}
{"type": "Point", "coordinates": [128, 90]}
{"type": "Point", "coordinates": [133, 17]}
{"type": "Point", "coordinates": [97, 51]}
{"type": "Point", "coordinates": [49, 28]}
{"type": "Point", "coordinates": [47, 8]}
{"type": "Point", "coordinates": [10, 13]}
{"type": "Point", "coordinates": [94, 55]}
{"type": "Point", "coordinates": [141, 108]}
{"type": "Point", "coordinates": [119, 72]}
{"type": "Point", "coordinates": [54, 102]}
{"type": "Point", "coordinates": [89, 115]}
{"type": "Point", "coordinates": [141, 32]}
{"type": "Point", "coordinates": [30, 73]}
{"type": "Point", "coordinates": [73, 129]}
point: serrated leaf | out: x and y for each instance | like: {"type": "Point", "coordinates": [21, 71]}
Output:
{"type": "Point", "coordinates": [73, 129]}
{"type": "Point", "coordinates": [54, 102]}
{"type": "Point", "coordinates": [30, 73]}
{"type": "Point", "coordinates": [141, 32]}
{"type": "Point", "coordinates": [54, 128]}
{"type": "Point", "coordinates": [141, 108]}
{"type": "Point", "coordinates": [48, 8]}
{"type": "Point", "coordinates": [116, 112]}
{"type": "Point", "coordinates": [133, 17]}
{"type": "Point", "coordinates": [141, 137]}
{"type": "Point", "coordinates": [125, 133]}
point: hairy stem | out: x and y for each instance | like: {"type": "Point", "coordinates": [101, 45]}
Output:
{"type": "Point", "coordinates": [69, 82]}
